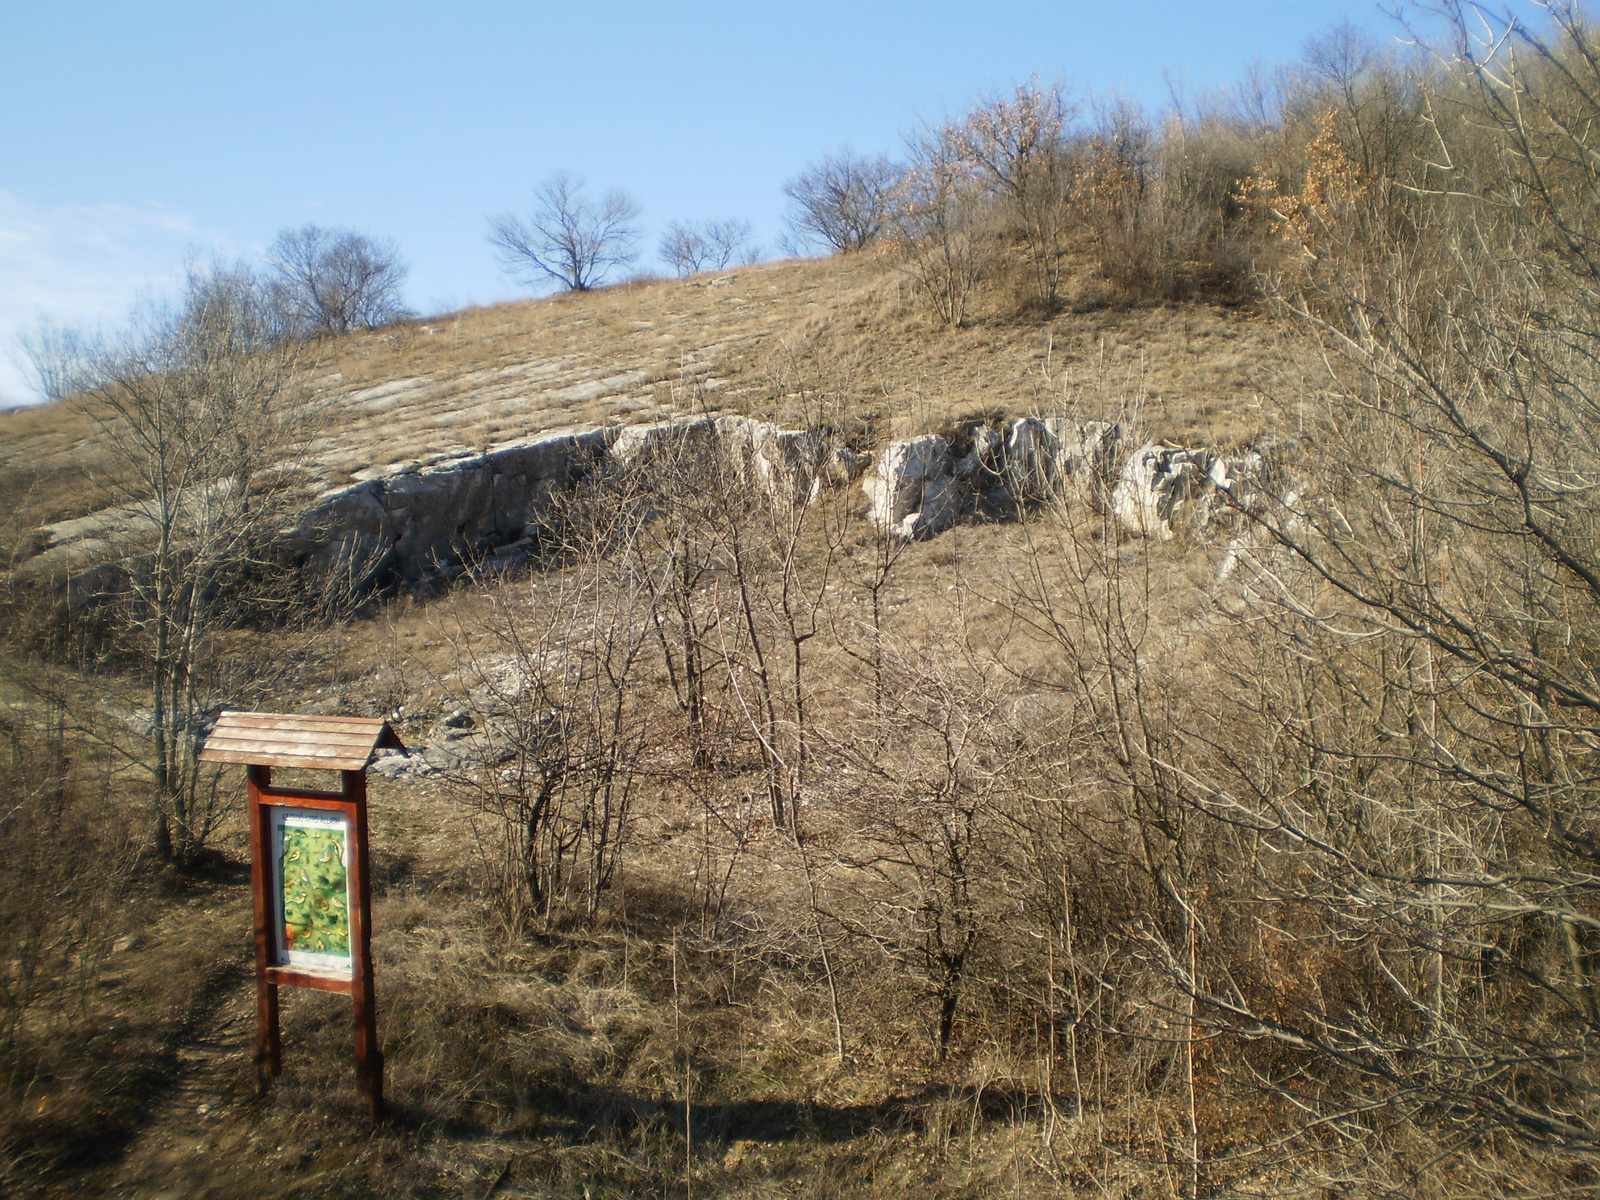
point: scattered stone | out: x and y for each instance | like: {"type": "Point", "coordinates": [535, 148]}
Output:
{"type": "Point", "coordinates": [392, 766]}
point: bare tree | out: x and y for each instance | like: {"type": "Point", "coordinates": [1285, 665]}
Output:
{"type": "Point", "coordinates": [58, 358]}
{"type": "Point", "coordinates": [921, 795]}
{"type": "Point", "coordinates": [842, 201]}
{"type": "Point", "coordinates": [201, 421]}
{"type": "Point", "coordinates": [937, 225]}
{"type": "Point", "coordinates": [336, 280]}
{"type": "Point", "coordinates": [1017, 146]}
{"type": "Point", "coordinates": [689, 247]}
{"type": "Point", "coordinates": [566, 238]}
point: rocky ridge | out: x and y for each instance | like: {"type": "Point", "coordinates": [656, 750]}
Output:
{"type": "Point", "coordinates": [412, 521]}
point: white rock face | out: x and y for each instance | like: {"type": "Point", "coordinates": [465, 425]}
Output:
{"type": "Point", "coordinates": [1157, 485]}
{"type": "Point", "coordinates": [1057, 457]}
{"type": "Point", "coordinates": [413, 518]}
{"type": "Point", "coordinates": [660, 441]}
{"type": "Point", "coordinates": [785, 465]}
{"type": "Point", "coordinates": [1164, 490]}
{"type": "Point", "coordinates": [911, 492]}
{"type": "Point", "coordinates": [985, 462]}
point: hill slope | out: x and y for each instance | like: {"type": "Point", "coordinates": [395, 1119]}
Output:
{"type": "Point", "coordinates": [770, 340]}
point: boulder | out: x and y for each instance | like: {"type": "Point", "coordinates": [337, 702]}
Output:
{"type": "Point", "coordinates": [983, 465]}
{"type": "Point", "coordinates": [785, 465]}
{"type": "Point", "coordinates": [391, 766]}
{"type": "Point", "coordinates": [1163, 489]}
{"type": "Point", "coordinates": [912, 492]}
{"type": "Point", "coordinates": [1054, 457]}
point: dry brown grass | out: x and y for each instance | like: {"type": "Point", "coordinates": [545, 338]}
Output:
{"type": "Point", "coordinates": [556, 1063]}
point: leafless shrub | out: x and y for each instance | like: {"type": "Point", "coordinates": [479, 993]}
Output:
{"type": "Point", "coordinates": [842, 201]}
{"type": "Point", "coordinates": [1018, 146]}
{"type": "Point", "coordinates": [569, 730]}
{"type": "Point", "coordinates": [69, 860]}
{"type": "Point", "coordinates": [690, 247]}
{"type": "Point", "coordinates": [922, 798]}
{"type": "Point", "coordinates": [938, 221]}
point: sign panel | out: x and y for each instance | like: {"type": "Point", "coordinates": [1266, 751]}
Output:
{"type": "Point", "coordinates": [311, 890]}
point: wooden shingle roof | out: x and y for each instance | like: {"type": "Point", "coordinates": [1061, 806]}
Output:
{"type": "Point", "coordinates": [290, 740]}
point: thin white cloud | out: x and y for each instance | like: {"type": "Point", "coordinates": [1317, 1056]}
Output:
{"type": "Point", "coordinates": [80, 265]}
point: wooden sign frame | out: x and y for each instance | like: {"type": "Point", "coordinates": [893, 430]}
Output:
{"type": "Point", "coordinates": [261, 741]}
{"type": "Point", "coordinates": [266, 890]}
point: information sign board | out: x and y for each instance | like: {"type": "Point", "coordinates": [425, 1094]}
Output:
{"type": "Point", "coordinates": [311, 890]}
{"type": "Point", "coordinates": [311, 897]}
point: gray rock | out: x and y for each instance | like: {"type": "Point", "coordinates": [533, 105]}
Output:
{"type": "Point", "coordinates": [911, 493]}
{"type": "Point", "coordinates": [1162, 490]}
{"type": "Point", "coordinates": [636, 446]}
{"type": "Point", "coordinates": [395, 766]}
{"type": "Point", "coordinates": [844, 466]}
{"type": "Point", "coordinates": [785, 465]}
{"type": "Point", "coordinates": [1061, 458]}
{"type": "Point", "coordinates": [412, 517]}
{"type": "Point", "coordinates": [432, 519]}
{"type": "Point", "coordinates": [983, 465]}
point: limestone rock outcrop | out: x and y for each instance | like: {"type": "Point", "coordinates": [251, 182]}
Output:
{"type": "Point", "coordinates": [1159, 489]}
{"type": "Point", "coordinates": [786, 465]}
{"type": "Point", "coordinates": [412, 521]}
{"type": "Point", "coordinates": [412, 517]}
{"type": "Point", "coordinates": [1048, 456]}
{"type": "Point", "coordinates": [920, 486]}
{"type": "Point", "coordinates": [912, 491]}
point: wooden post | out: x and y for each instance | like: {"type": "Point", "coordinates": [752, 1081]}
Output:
{"type": "Point", "coordinates": [269, 1042]}
{"type": "Point", "coordinates": [369, 1054]}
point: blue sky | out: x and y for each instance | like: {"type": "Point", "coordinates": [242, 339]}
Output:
{"type": "Point", "coordinates": [131, 134]}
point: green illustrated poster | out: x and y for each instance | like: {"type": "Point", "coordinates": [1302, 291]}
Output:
{"type": "Point", "coordinates": [311, 852]}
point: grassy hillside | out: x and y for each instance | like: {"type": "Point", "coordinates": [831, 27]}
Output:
{"type": "Point", "coordinates": [557, 1061]}
{"type": "Point", "coordinates": [762, 340]}
{"type": "Point", "coordinates": [744, 851]}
